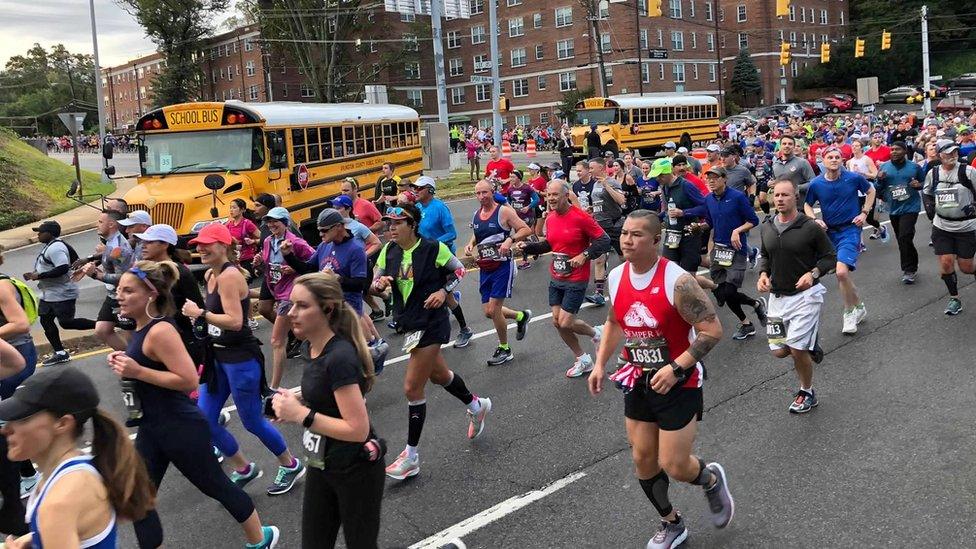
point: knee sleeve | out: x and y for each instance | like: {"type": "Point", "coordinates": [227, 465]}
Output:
{"type": "Point", "coordinates": [656, 490]}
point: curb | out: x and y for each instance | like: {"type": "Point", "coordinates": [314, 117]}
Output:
{"type": "Point", "coordinates": [65, 231]}
{"type": "Point", "coordinates": [74, 345]}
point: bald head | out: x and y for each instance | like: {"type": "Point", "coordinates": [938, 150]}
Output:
{"type": "Point", "coordinates": [557, 195]}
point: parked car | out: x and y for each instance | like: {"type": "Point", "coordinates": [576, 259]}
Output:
{"type": "Point", "coordinates": [849, 97]}
{"type": "Point", "coordinates": [899, 94]}
{"type": "Point", "coordinates": [835, 104]}
{"type": "Point", "coordinates": [967, 80]}
{"type": "Point", "coordinates": [957, 101]}
{"type": "Point", "coordinates": [762, 112]}
{"type": "Point", "coordinates": [813, 109]}
{"type": "Point", "coordinates": [789, 109]}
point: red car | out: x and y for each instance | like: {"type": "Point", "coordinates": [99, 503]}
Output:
{"type": "Point", "coordinates": [836, 104]}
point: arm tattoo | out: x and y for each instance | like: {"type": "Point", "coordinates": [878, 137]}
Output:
{"type": "Point", "coordinates": [693, 305]}
{"type": "Point", "coordinates": [702, 344]}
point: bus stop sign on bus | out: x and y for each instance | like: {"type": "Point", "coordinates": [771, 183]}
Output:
{"type": "Point", "coordinates": [301, 175]}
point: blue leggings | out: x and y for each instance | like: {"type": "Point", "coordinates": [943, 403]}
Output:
{"type": "Point", "coordinates": [9, 385]}
{"type": "Point", "coordinates": [243, 380]}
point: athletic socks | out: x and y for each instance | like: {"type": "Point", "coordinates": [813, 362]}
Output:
{"type": "Point", "coordinates": [245, 471]}
{"type": "Point", "coordinates": [459, 315]}
{"type": "Point", "coordinates": [705, 478]}
{"type": "Point", "coordinates": [952, 283]}
{"type": "Point", "coordinates": [415, 423]}
{"type": "Point", "coordinates": [457, 388]}
{"type": "Point", "coordinates": [411, 451]}
{"type": "Point", "coordinates": [519, 316]}
{"type": "Point", "coordinates": [600, 283]}
{"type": "Point", "coordinates": [475, 405]}
{"type": "Point", "coordinates": [504, 346]}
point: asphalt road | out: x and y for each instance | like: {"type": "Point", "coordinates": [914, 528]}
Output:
{"type": "Point", "coordinates": [888, 448]}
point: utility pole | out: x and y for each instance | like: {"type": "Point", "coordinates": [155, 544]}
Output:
{"type": "Point", "coordinates": [592, 16]}
{"type": "Point", "coordinates": [135, 71]}
{"type": "Point", "coordinates": [435, 23]}
{"type": "Point", "coordinates": [98, 89]}
{"type": "Point", "coordinates": [496, 86]}
{"type": "Point", "coordinates": [640, 62]}
{"type": "Point", "coordinates": [718, 62]}
{"type": "Point", "coordinates": [926, 82]}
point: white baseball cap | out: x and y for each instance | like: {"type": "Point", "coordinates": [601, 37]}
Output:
{"type": "Point", "coordinates": [669, 145]}
{"type": "Point", "coordinates": [161, 233]}
{"type": "Point", "coordinates": [425, 181]}
{"type": "Point", "coordinates": [682, 150]}
{"type": "Point", "coordinates": [138, 217]}
{"type": "Point", "coordinates": [713, 148]}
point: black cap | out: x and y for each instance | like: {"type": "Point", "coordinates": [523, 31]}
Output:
{"type": "Point", "coordinates": [266, 200]}
{"type": "Point", "coordinates": [49, 227]}
{"type": "Point", "coordinates": [60, 390]}
{"type": "Point", "coordinates": [679, 159]}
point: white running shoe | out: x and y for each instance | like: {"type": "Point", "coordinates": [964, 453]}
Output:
{"type": "Point", "coordinates": [850, 322]}
{"type": "Point", "coordinates": [860, 313]}
{"type": "Point", "coordinates": [583, 365]}
{"type": "Point", "coordinates": [476, 422]}
{"type": "Point", "coordinates": [403, 467]}
{"type": "Point", "coordinates": [597, 335]}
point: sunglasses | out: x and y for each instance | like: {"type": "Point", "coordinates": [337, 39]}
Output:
{"type": "Point", "coordinates": [397, 211]}
{"type": "Point", "coordinates": [323, 230]}
{"type": "Point", "coordinates": [143, 276]}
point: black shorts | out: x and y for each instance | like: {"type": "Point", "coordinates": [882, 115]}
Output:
{"type": "Point", "coordinates": [567, 295]}
{"type": "Point", "coordinates": [60, 309]}
{"type": "Point", "coordinates": [109, 312]}
{"type": "Point", "coordinates": [671, 412]}
{"type": "Point", "coordinates": [438, 333]}
{"type": "Point", "coordinates": [705, 237]}
{"type": "Point", "coordinates": [266, 294]}
{"type": "Point", "coordinates": [962, 245]}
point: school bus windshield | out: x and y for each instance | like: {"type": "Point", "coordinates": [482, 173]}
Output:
{"type": "Point", "coordinates": [596, 116]}
{"type": "Point", "coordinates": [203, 151]}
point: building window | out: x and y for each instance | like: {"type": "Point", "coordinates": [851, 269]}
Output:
{"type": "Point", "coordinates": [511, 3]}
{"type": "Point", "coordinates": [481, 63]}
{"type": "Point", "coordinates": [564, 16]}
{"type": "Point", "coordinates": [609, 73]}
{"type": "Point", "coordinates": [455, 67]}
{"type": "Point", "coordinates": [457, 96]}
{"type": "Point", "coordinates": [544, 118]}
{"type": "Point", "coordinates": [708, 11]}
{"type": "Point", "coordinates": [478, 34]}
{"type": "Point", "coordinates": [691, 9]}
{"type": "Point", "coordinates": [794, 70]}
{"type": "Point", "coordinates": [482, 92]}
{"type": "Point", "coordinates": [408, 17]}
{"type": "Point", "coordinates": [793, 39]}
{"type": "Point", "coordinates": [678, 71]}
{"type": "Point", "coordinates": [516, 27]}
{"type": "Point", "coordinates": [306, 91]}
{"type": "Point", "coordinates": [643, 39]}
{"type": "Point", "coordinates": [565, 49]}
{"type": "Point", "coordinates": [660, 38]}
{"type": "Point", "coordinates": [520, 87]}
{"type": "Point", "coordinates": [694, 70]}
{"type": "Point", "coordinates": [674, 8]}
{"type": "Point", "coordinates": [792, 12]}
{"type": "Point", "coordinates": [660, 71]}
{"type": "Point", "coordinates": [803, 15]}
{"type": "Point", "coordinates": [567, 81]}
{"type": "Point", "coordinates": [711, 72]}
{"type": "Point", "coordinates": [677, 41]}
{"type": "Point", "coordinates": [537, 21]}
{"type": "Point", "coordinates": [415, 98]}
{"type": "Point", "coordinates": [523, 119]}
{"type": "Point", "coordinates": [721, 14]}
{"type": "Point", "coordinates": [605, 45]}
{"type": "Point", "coordinates": [694, 40]}
{"type": "Point", "coordinates": [518, 57]}
{"type": "Point", "coordinates": [249, 68]}
{"type": "Point", "coordinates": [411, 71]}
{"type": "Point", "coordinates": [841, 18]}
{"type": "Point", "coordinates": [645, 73]}
{"type": "Point", "coordinates": [743, 41]}
{"type": "Point", "coordinates": [252, 93]}
{"type": "Point", "coordinates": [410, 43]}
{"type": "Point", "coordinates": [539, 54]}
{"type": "Point", "coordinates": [543, 82]}
{"type": "Point", "coordinates": [248, 45]}
{"type": "Point", "coordinates": [604, 11]}
{"type": "Point", "coordinates": [453, 40]}
{"type": "Point", "coordinates": [722, 43]}
{"type": "Point", "coordinates": [823, 17]}
{"type": "Point", "coordinates": [372, 47]}
{"type": "Point", "coordinates": [740, 15]}
{"type": "Point", "coordinates": [284, 90]}
{"type": "Point", "coordinates": [477, 7]}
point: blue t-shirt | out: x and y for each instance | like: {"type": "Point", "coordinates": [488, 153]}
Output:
{"type": "Point", "coordinates": [437, 223]}
{"type": "Point", "coordinates": [895, 190]}
{"type": "Point", "coordinates": [839, 203]}
{"type": "Point", "coordinates": [346, 259]}
{"type": "Point", "coordinates": [724, 214]}
{"type": "Point", "coordinates": [358, 230]}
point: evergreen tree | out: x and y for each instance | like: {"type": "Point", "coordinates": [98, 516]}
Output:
{"type": "Point", "coordinates": [745, 79]}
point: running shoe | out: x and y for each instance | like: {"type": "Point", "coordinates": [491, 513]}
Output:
{"type": "Point", "coordinates": [669, 535]}
{"type": "Point", "coordinates": [860, 313]}
{"type": "Point", "coordinates": [803, 402]}
{"type": "Point", "coordinates": [761, 311]}
{"type": "Point", "coordinates": [476, 422]}
{"type": "Point", "coordinates": [885, 236]}
{"type": "Point", "coordinates": [597, 299]}
{"type": "Point", "coordinates": [245, 478]}
{"type": "Point", "coordinates": [223, 418]}
{"type": "Point", "coordinates": [875, 234]}
{"type": "Point", "coordinates": [954, 306]}
{"type": "Point", "coordinates": [753, 257]}
{"type": "Point", "coordinates": [455, 543]}
{"type": "Point", "coordinates": [392, 324]}
{"type": "Point", "coordinates": [597, 335]}
{"type": "Point", "coordinates": [744, 331]}
{"type": "Point", "coordinates": [270, 541]}
{"type": "Point", "coordinates": [861, 248]}
{"type": "Point", "coordinates": [501, 356]}
{"type": "Point", "coordinates": [909, 278]}
{"type": "Point", "coordinates": [403, 467]}
{"type": "Point", "coordinates": [583, 365]}
{"type": "Point", "coordinates": [252, 323]}
{"type": "Point", "coordinates": [286, 478]}
{"type": "Point", "coordinates": [463, 338]}
{"type": "Point", "coordinates": [27, 484]}
{"type": "Point", "coordinates": [523, 265]}
{"type": "Point", "coordinates": [59, 357]}
{"type": "Point", "coordinates": [720, 504]}
{"type": "Point", "coordinates": [522, 325]}
{"type": "Point", "coordinates": [378, 352]}
{"type": "Point", "coordinates": [377, 316]}
{"type": "Point", "coordinates": [850, 322]}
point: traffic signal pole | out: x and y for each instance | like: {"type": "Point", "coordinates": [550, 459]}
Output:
{"type": "Point", "coordinates": [496, 88]}
{"type": "Point", "coordinates": [926, 81]}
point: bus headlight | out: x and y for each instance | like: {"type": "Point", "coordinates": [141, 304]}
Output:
{"type": "Point", "coordinates": [198, 226]}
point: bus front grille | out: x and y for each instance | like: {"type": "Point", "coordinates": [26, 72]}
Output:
{"type": "Point", "coordinates": [170, 213]}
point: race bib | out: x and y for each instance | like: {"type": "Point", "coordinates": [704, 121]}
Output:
{"type": "Point", "coordinates": [274, 273]}
{"type": "Point", "coordinates": [672, 238]}
{"type": "Point", "coordinates": [776, 331]}
{"type": "Point", "coordinates": [648, 353]}
{"type": "Point", "coordinates": [947, 198]}
{"type": "Point", "coordinates": [411, 340]}
{"type": "Point", "coordinates": [899, 193]}
{"type": "Point", "coordinates": [489, 252]}
{"type": "Point", "coordinates": [214, 331]}
{"type": "Point", "coordinates": [131, 400]}
{"type": "Point", "coordinates": [314, 446]}
{"type": "Point", "coordinates": [123, 322]}
{"type": "Point", "coordinates": [723, 255]}
{"type": "Point", "coordinates": [560, 264]}
{"type": "Point", "coordinates": [598, 207]}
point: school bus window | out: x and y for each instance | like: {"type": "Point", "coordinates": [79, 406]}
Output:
{"type": "Point", "coordinates": [313, 144]}
{"type": "Point", "coordinates": [326, 141]}
{"type": "Point", "coordinates": [298, 145]}
{"type": "Point", "coordinates": [283, 161]}
{"type": "Point", "coordinates": [624, 116]}
{"type": "Point", "coordinates": [337, 149]}
{"type": "Point", "coordinates": [378, 137]}
{"type": "Point", "coordinates": [370, 144]}
{"type": "Point", "coordinates": [360, 140]}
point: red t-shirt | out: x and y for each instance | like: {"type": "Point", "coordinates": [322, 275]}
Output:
{"type": "Point", "coordinates": [571, 233]}
{"type": "Point", "coordinates": [502, 166]}
{"type": "Point", "coordinates": [697, 182]}
{"type": "Point", "coordinates": [539, 184]}
{"type": "Point", "coordinates": [365, 212]}
{"type": "Point", "coordinates": [879, 155]}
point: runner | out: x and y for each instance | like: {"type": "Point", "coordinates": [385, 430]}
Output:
{"type": "Point", "coordinates": [344, 486]}
{"type": "Point", "coordinates": [524, 200]}
{"type": "Point", "coordinates": [788, 166]}
{"type": "Point", "coordinates": [574, 238]}
{"type": "Point", "coordinates": [498, 168]}
{"type": "Point", "coordinates": [115, 258]}
{"type": "Point", "coordinates": [365, 211]}
{"type": "Point", "coordinates": [84, 494]}
{"type": "Point", "coordinates": [245, 232]}
{"type": "Point", "coordinates": [58, 293]}
{"type": "Point", "coordinates": [136, 222]}
{"type": "Point", "coordinates": [234, 362]}
{"type": "Point", "coordinates": [865, 165]}
{"type": "Point", "coordinates": [795, 255]}
{"type": "Point", "coordinates": [949, 196]}
{"type": "Point", "coordinates": [420, 274]}
{"type": "Point", "coordinates": [731, 217]}
{"type": "Point", "coordinates": [12, 509]}
{"type": "Point", "coordinates": [899, 182]}
{"type": "Point", "coordinates": [837, 192]}
{"type": "Point", "coordinates": [385, 190]}
{"type": "Point", "coordinates": [668, 325]}
{"type": "Point", "coordinates": [156, 373]}
{"type": "Point", "coordinates": [607, 200]}
{"type": "Point", "coordinates": [682, 243]}
{"type": "Point", "coordinates": [491, 243]}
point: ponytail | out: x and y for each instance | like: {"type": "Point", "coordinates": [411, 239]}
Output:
{"type": "Point", "coordinates": [345, 322]}
{"type": "Point", "coordinates": [130, 490]}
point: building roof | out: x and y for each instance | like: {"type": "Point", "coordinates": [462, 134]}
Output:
{"type": "Point", "coordinates": [633, 101]}
{"type": "Point", "coordinates": [293, 113]}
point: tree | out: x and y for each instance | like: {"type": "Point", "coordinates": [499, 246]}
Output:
{"type": "Point", "coordinates": [567, 106]}
{"type": "Point", "coordinates": [177, 27]}
{"type": "Point", "coordinates": [745, 78]}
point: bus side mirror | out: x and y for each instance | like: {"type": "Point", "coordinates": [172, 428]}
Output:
{"type": "Point", "coordinates": [107, 150]}
{"type": "Point", "coordinates": [109, 170]}
{"type": "Point", "coordinates": [214, 182]}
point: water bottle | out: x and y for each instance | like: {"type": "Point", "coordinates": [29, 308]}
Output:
{"type": "Point", "coordinates": [671, 205]}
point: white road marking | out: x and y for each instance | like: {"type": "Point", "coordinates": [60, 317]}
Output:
{"type": "Point", "coordinates": [495, 513]}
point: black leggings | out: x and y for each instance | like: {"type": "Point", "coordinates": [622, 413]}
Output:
{"type": "Point", "coordinates": [12, 508]}
{"type": "Point", "coordinates": [350, 499]}
{"type": "Point", "coordinates": [186, 443]}
{"type": "Point", "coordinates": [64, 312]}
{"type": "Point", "coordinates": [727, 294]}
{"type": "Point", "coordinates": [871, 220]}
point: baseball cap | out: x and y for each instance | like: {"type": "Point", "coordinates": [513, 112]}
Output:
{"type": "Point", "coordinates": [425, 181]}
{"type": "Point", "coordinates": [948, 148]}
{"type": "Point", "coordinates": [138, 217]}
{"type": "Point", "coordinates": [730, 150]}
{"type": "Point", "coordinates": [682, 150]}
{"type": "Point", "coordinates": [342, 201]}
{"type": "Point", "coordinates": [329, 217]}
{"type": "Point", "coordinates": [669, 145]}
{"type": "Point", "coordinates": [518, 173]}
{"type": "Point", "coordinates": [51, 226]}
{"type": "Point", "coordinates": [265, 200]}
{"type": "Point", "coordinates": [717, 170]}
{"type": "Point", "coordinates": [59, 390]}
{"type": "Point", "coordinates": [660, 166]}
{"type": "Point", "coordinates": [679, 159]}
{"type": "Point", "coordinates": [278, 213]}
{"type": "Point", "coordinates": [713, 148]}
{"type": "Point", "coordinates": [214, 232]}
{"type": "Point", "coordinates": [396, 213]}
{"type": "Point", "coordinates": [160, 232]}
{"type": "Point", "coordinates": [533, 166]}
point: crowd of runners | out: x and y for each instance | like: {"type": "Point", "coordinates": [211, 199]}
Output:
{"type": "Point", "coordinates": [785, 198]}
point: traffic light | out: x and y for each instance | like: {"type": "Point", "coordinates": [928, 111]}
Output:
{"type": "Point", "coordinates": [858, 47]}
{"type": "Point", "coordinates": [782, 8]}
{"type": "Point", "coordinates": [653, 8]}
{"type": "Point", "coordinates": [825, 52]}
{"type": "Point", "coordinates": [885, 40]}
{"type": "Point", "coordinates": [503, 104]}
{"type": "Point", "coordinates": [784, 54]}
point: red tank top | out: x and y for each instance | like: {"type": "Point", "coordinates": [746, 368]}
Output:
{"type": "Point", "coordinates": [647, 315]}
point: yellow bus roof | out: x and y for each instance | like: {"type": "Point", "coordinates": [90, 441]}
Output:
{"type": "Point", "coordinates": [294, 113]}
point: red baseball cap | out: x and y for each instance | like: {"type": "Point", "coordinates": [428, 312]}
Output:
{"type": "Point", "coordinates": [214, 232]}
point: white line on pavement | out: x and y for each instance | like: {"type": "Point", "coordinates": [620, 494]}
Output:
{"type": "Point", "coordinates": [497, 512]}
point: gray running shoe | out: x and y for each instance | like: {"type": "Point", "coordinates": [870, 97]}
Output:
{"type": "Point", "coordinates": [522, 325]}
{"type": "Point", "coordinates": [803, 402]}
{"type": "Point", "coordinates": [909, 278]}
{"type": "Point", "coordinates": [597, 299]}
{"type": "Point", "coordinates": [670, 535]}
{"type": "Point", "coordinates": [501, 356]}
{"type": "Point", "coordinates": [954, 306]}
{"type": "Point", "coordinates": [720, 503]}
{"type": "Point", "coordinates": [463, 338]}
{"type": "Point", "coordinates": [58, 357]}
{"type": "Point", "coordinates": [286, 478]}
{"type": "Point", "coordinates": [744, 331]}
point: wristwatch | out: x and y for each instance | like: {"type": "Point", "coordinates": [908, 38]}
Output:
{"type": "Point", "coordinates": [586, 254]}
{"type": "Point", "coordinates": [680, 373]}
{"type": "Point", "coordinates": [309, 419]}
{"type": "Point", "coordinates": [815, 272]}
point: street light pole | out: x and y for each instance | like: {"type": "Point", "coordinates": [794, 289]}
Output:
{"type": "Point", "coordinates": [718, 61]}
{"type": "Point", "coordinates": [98, 87]}
{"type": "Point", "coordinates": [496, 87]}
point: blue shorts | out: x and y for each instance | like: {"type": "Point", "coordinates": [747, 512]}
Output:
{"type": "Point", "coordinates": [847, 242]}
{"type": "Point", "coordinates": [568, 296]}
{"type": "Point", "coordinates": [497, 284]}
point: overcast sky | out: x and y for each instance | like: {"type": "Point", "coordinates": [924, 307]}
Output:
{"type": "Point", "coordinates": [48, 22]}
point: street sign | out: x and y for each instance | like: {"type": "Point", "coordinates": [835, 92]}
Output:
{"type": "Point", "coordinates": [301, 176]}
{"type": "Point", "coordinates": [481, 80]}
{"type": "Point", "coordinates": [657, 54]}
{"type": "Point", "coordinates": [483, 66]}
{"type": "Point", "coordinates": [74, 121]}
{"type": "Point", "coordinates": [935, 77]}
{"type": "Point", "coordinates": [867, 90]}
{"type": "Point", "coordinates": [868, 108]}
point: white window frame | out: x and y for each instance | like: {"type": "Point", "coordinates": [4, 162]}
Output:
{"type": "Point", "coordinates": [608, 69]}
{"type": "Point", "coordinates": [712, 72]}
{"type": "Point", "coordinates": [520, 85]}
{"type": "Point", "coordinates": [646, 73]}
{"type": "Point", "coordinates": [544, 118]}
{"type": "Point", "coordinates": [453, 40]}
{"type": "Point", "coordinates": [644, 44]}
{"type": "Point", "coordinates": [513, 56]}
{"type": "Point", "coordinates": [252, 92]}
{"type": "Point", "coordinates": [606, 46]}
{"type": "Point", "coordinates": [455, 66]}
{"type": "Point", "coordinates": [567, 81]}
{"type": "Point", "coordinates": [479, 35]}
{"type": "Point", "coordinates": [823, 17]}
{"type": "Point", "coordinates": [415, 98]}
{"type": "Point", "coordinates": [482, 93]}
{"type": "Point", "coordinates": [408, 17]}
{"type": "Point", "coordinates": [542, 82]}
{"type": "Point", "coordinates": [710, 41]}
{"type": "Point", "coordinates": [567, 52]}
{"type": "Point", "coordinates": [477, 7]}
{"type": "Point", "coordinates": [743, 41]}
{"type": "Point", "coordinates": [480, 58]}
{"type": "Point", "coordinates": [674, 9]}
{"type": "Point", "coordinates": [660, 71]}
{"type": "Point", "coordinates": [510, 3]}
{"type": "Point", "coordinates": [249, 67]}
{"type": "Point", "coordinates": [516, 27]}
{"type": "Point", "coordinates": [678, 72]}
{"type": "Point", "coordinates": [709, 11]}
{"type": "Point", "coordinates": [740, 13]}
{"type": "Point", "coordinates": [792, 13]}
{"type": "Point", "coordinates": [691, 9]}
{"type": "Point", "coordinates": [305, 91]}
{"type": "Point", "coordinates": [677, 41]}
{"type": "Point", "coordinates": [540, 52]}
{"type": "Point", "coordinates": [694, 70]}
{"type": "Point", "coordinates": [537, 20]}
{"type": "Point", "coordinates": [523, 119]}
{"type": "Point", "coordinates": [457, 95]}
{"type": "Point", "coordinates": [694, 40]}
{"type": "Point", "coordinates": [561, 14]}
{"type": "Point", "coordinates": [411, 71]}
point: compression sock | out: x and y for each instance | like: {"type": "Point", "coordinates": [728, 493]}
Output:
{"type": "Point", "coordinates": [656, 490]}
{"type": "Point", "coordinates": [764, 206]}
{"type": "Point", "coordinates": [459, 315]}
{"type": "Point", "coordinates": [415, 423]}
{"type": "Point", "coordinates": [600, 283]}
{"type": "Point", "coordinates": [504, 346]}
{"type": "Point", "coordinates": [519, 316]}
{"type": "Point", "coordinates": [457, 388]}
{"type": "Point", "coordinates": [952, 283]}
{"type": "Point", "coordinates": [705, 478]}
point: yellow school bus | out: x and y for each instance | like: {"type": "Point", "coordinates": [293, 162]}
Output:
{"type": "Point", "coordinates": [645, 123]}
{"type": "Point", "coordinates": [259, 148]}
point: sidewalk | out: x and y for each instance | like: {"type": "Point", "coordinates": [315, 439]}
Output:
{"type": "Point", "coordinates": [73, 221]}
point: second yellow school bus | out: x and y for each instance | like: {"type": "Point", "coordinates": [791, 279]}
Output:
{"type": "Point", "coordinates": [259, 148]}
